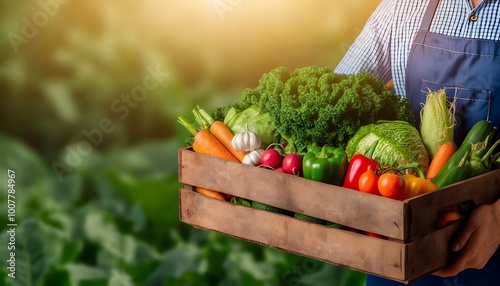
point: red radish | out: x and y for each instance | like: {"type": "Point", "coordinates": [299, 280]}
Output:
{"type": "Point", "coordinates": [271, 158]}
{"type": "Point", "coordinates": [227, 196]}
{"type": "Point", "coordinates": [292, 163]}
{"type": "Point", "coordinates": [265, 167]}
{"type": "Point", "coordinates": [280, 169]}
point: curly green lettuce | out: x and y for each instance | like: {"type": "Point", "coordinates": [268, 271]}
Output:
{"type": "Point", "coordinates": [314, 106]}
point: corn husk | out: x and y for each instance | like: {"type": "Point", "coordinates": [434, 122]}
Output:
{"type": "Point", "coordinates": [437, 121]}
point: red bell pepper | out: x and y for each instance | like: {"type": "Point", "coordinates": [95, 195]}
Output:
{"type": "Point", "coordinates": [358, 164]}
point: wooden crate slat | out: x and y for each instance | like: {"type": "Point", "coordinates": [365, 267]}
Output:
{"type": "Point", "coordinates": [348, 207]}
{"type": "Point", "coordinates": [481, 189]}
{"type": "Point", "coordinates": [371, 255]}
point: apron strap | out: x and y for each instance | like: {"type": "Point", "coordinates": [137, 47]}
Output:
{"type": "Point", "coordinates": [429, 15]}
{"type": "Point", "coordinates": [425, 25]}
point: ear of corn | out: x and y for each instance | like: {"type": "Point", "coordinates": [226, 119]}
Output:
{"type": "Point", "coordinates": [438, 121]}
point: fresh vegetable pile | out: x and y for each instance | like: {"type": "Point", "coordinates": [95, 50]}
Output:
{"type": "Point", "coordinates": [344, 130]}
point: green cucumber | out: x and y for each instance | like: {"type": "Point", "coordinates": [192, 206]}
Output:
{"type": "Point", "coordinates": [266, 207]}
{"type": "Point", "coordinates": [308, 218]}
{"type": "Point", "coordinates": [478, 133]}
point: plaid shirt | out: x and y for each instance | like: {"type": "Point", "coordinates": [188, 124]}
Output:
{"type": "Point", "coordinates": [383, 46]}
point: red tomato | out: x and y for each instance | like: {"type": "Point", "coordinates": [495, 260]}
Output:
{"type": "Point", "coordinates": [368, 183]}
{"type": "Point", "coordinates": [391, 185]}
{"type": "Point", "coordinates": [375, 235]}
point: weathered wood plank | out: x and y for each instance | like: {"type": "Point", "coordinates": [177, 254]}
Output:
{"type": "Point", "coordinates": [371, 255]}
{"type": "Point", "coordinates": [351, 208]}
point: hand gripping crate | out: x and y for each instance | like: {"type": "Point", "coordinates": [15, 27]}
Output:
{"type": "Point", "coordinates": [414, 246]}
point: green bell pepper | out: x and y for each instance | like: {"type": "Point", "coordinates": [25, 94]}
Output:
{"type": "Point", "coordinates": [325, 164]}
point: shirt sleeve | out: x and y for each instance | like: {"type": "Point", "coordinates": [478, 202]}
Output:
{"type": "Point", "coordinates": [370, 52]}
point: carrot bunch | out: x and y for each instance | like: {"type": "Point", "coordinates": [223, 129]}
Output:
{"type": "Point", "coordinates": [211, 138]}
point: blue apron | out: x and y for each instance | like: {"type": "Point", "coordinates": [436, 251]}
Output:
{"type": "Point", "coordinates": [469, 70]}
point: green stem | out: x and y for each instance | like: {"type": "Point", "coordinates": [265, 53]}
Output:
{"type": "Point", "coordinates": [323, 153]}
{"type": "Point", "coordinates": [496, 159]}
{"type": "Point", "coordinates": [420, 172]}
{"type": "Point", "coordinates": [209, 119]}
{"type": "Point", "coordinates": [189, 126]}
{"type": "Point", "coordinates": [413, 166]}
{"type": "Point", "coordinates": [490, 151]}
{"type": "Point", "coordinates": [201, 121]}
{"type": "Point", "coordinates": [464, 159]}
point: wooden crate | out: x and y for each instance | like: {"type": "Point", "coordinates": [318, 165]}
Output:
{"type": "Point", "coordinates": [415, 248]}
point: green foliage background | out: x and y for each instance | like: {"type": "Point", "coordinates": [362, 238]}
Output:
{"type": "Point", "coordinates": [105, 212]}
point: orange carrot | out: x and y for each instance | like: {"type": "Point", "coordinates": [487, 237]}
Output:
{"type": "Point", "coordinates": [224, 135]}
{"type": "Point", "coordinates": [210, 193]}
{"type": "Point", "coordinates": [205, 142]}
{"type": "Point", "coordinates": [220, 131]}
{"type": "Point", "coordinates": [447, 218]}
{"type": "Point", "coordinates": [442, 156]}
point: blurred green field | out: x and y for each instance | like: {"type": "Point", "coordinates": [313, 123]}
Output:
{"type": "Point", "coordinates": [90, 93]}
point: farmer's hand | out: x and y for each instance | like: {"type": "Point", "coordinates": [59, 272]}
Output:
{"type": "Point", "coordinates": [477, 241]}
